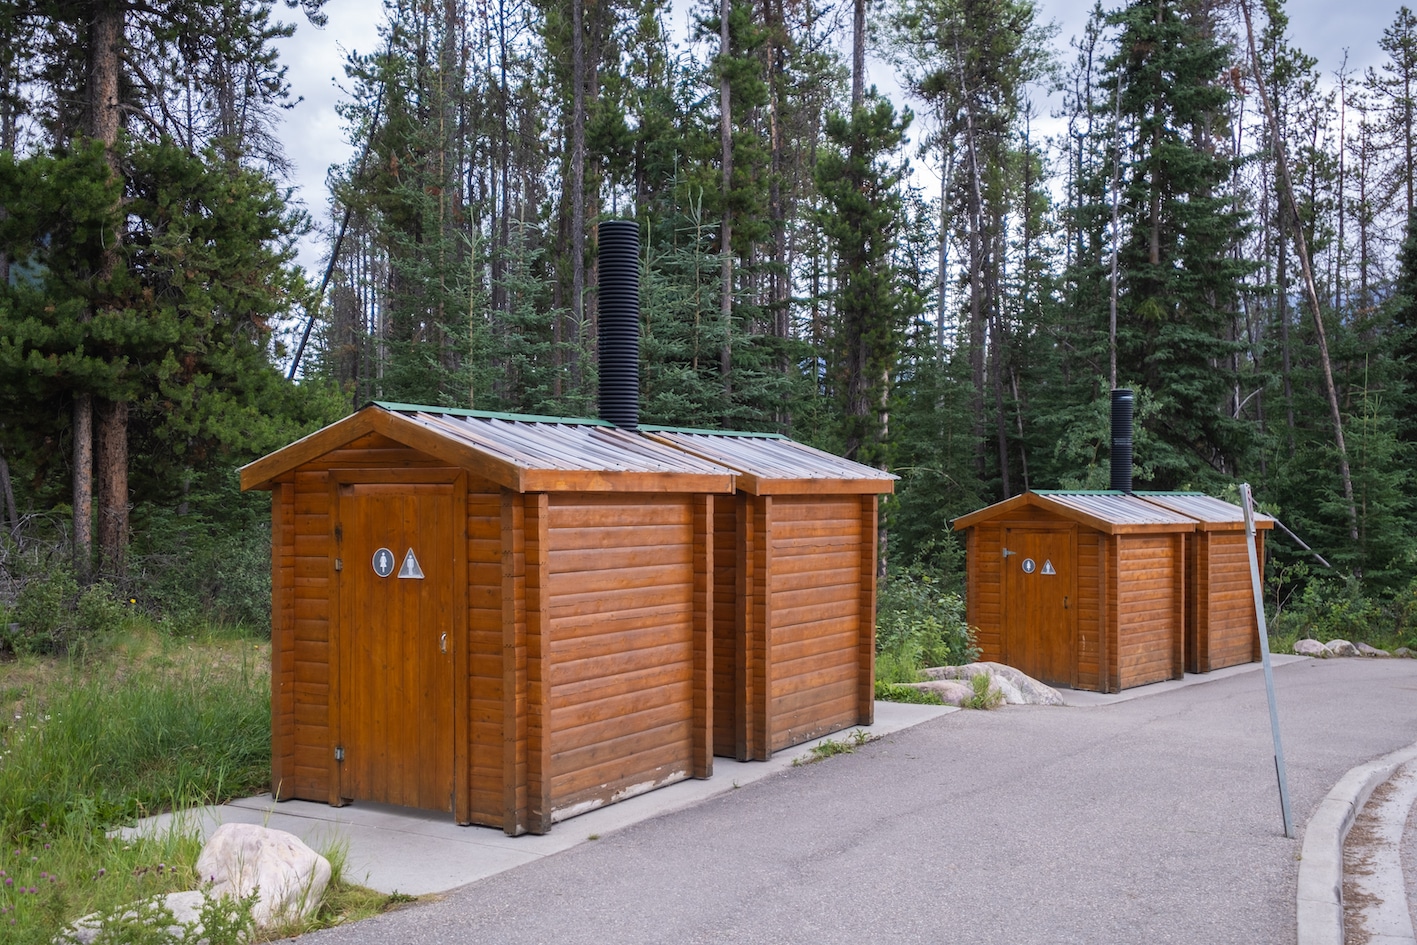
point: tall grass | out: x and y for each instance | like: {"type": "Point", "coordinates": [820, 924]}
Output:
{"type": "Point", "coordinates": [101, 751]}
{"type": "Point", "coordinates": [88, 745]}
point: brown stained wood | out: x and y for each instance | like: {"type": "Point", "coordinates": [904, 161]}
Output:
{"type": "Point", "coordinates": [282, 639]}
{"type": "Point", "coordinates": [1039, 612]}
{"type": "Point", "coordinates": [701, 749]}
{"type": "Point", "coordinates": [261, 473]}
{"type": "Point", "coordinates": [845, 556]}
{"type": "Point", "coordinates": [514, 682]}
{"type": "Point", "coordinates": [666, 581]}
{"type": "Point", "coordinates": [601, 686]}
{"type": "Point", "coordinates": [546, 480]}
{"type": "Point", "coordinates": [570, 513]}
{"type": "Point", "coordinates": [814, 722]}
{"type": "Point", "coordinates": [841, 692]}
{"type": "Point", "coordinates": [335, 525]}
{"type": "Point", "coordinates": [839, 634]}
{"type": "Point", "coordinates": [596, 787]}
{"type": "Point", "coordinates": [454, 452]}
{"type": "Point", "coordinates": [582, 538]}
{"type": "Point", "coordinates": [843, 512]}
{"type": "Point", "coordinates": [396, 713]}
{"type": "Point", "coordinates": [578, 602]}
{"type": "Point", "coordinates": [540, 650]}
{"type": "Point", "coordinates": [821, 577]}
{"type": "Point", "coordinates": [820, 603]}
{"type": "Point", "coordinates": [586, 727]}
{"type": "Point", "coordinates": [624, 558]}
{"type": "Point", "coordinates": [625, 755]}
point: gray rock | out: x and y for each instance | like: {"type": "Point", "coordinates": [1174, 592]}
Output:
{"type": "Point", "coordinates": [1312, 648]}
{"type": "Point", "coordinates": [1029, 690]}
{"type": "Point", "coordinates": [185, 926]}
{"type": "Point", "coordinates": [1342, 648]}
{"type": "Point", "coordinates": [1367, 650]}
{"type": "Point", "coordinates": [242, 858]}
{"type": "Point", "coordinates": [950, 691]}
{"type": "Point", "coordinates": [1403, 652]}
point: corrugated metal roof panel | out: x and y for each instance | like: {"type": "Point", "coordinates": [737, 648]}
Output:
{"type": "Point", "coordinates": [1206, 509]}
{"type": "Point", "coordinates": [1117, 508]}
{"type": "Point", "coordinates": [561, 445]}
{"type": "Point", "coordinates": [777, 464]}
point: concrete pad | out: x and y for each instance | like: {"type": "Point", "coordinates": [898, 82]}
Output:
{"type": "Point", "coordinates": [415, 852]}
{"type": "Point", "coordinates": [1081, 697]}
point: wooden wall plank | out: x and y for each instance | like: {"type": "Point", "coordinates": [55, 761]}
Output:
{"type": "Point", "coordinates": [701, 759]}
{"type": "Point", "coordinates": [540, 737]}
{"type": "Point", "coordinates": [514, 682]}
{"type": "Point", "coordinates": [866, 645]}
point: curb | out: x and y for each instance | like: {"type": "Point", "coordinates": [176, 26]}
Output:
{"type": "Point", "coordinates": [1320, 886]}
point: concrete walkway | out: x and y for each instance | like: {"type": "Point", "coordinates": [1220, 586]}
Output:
{"type": "Point", "coordinates": [399, 849]}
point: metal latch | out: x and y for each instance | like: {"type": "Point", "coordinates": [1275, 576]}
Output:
{"type": "Point", "coordinates": [339, 753]}
{"type": "Point", "coordinates": [339, 564]}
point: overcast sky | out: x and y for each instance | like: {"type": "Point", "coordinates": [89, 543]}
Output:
{"type": "Point", "coordinates": [314, 137]}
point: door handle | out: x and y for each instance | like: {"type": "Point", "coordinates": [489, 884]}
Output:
{"type": "Point", "coordinates": [443, 643]}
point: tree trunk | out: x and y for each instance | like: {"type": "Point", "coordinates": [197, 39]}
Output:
{"type": "Point", "coordinates": [112, 469]}
{"type": "Point", "coordinates": [7, 488]}
{"type": "Point", "coordinates": [1302, 248]}
{"type": "Point", "coordinates": [103, 55]}
{"type": "Point", "coordinates": [858, 54]}
{"type": "Point", "coordinates": [578, 226]}
{"type": "Point", "coordinates": [725, 131]}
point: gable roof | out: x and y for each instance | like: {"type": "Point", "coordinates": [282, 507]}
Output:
{"type": "Point", "coordinates": [525, 454]}
{"type": "Point", "coordinates": [1210, 513]}
{"type": "Point", "coordinates": [1110, 512]}
{"type": "Point", "coordinates": [769, 464]}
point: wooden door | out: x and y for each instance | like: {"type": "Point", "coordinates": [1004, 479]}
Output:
{"type": "Point", "coordinates": [397, 641]}
{"type": "Point", "coordinates": [1039, 602]}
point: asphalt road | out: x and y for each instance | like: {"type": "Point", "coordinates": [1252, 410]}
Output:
{"type": "Point", "coordinates": [1155, 820]}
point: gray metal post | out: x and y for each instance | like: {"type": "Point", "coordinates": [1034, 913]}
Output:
{"type": "Point", "coordinates": [1279, 767]}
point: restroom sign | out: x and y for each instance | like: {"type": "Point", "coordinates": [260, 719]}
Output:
{"type": "Point", "coordinates": [1048, 566]}
{"type": "Point", "coordinates": [383, 562]}
{"type": "Point", "coordinates": [1029, 565]}
{"type": "Point", "coordinates": [410, 567]}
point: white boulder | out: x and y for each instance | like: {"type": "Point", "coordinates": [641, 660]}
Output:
{"type": "Point", "coordinates": [1341, 648]}
{"type": "Point", "coordinates": [243, 858]}
{"type": "Point", "coordinates": [184, 925]}
{"type": "Point", "coordinates": [1311, 648]}
{"type": "Point", "coordinates": [1367, 650]}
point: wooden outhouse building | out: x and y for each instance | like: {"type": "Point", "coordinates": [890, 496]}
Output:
{"type": "Point", "coordinates": [794, 609]}
{"type": "Point", "coordinates": [1079, 589]}
{"type": "Point", "coordinates": [505, 618]}
{"type": "Point", "coordinates": [1221, 629]}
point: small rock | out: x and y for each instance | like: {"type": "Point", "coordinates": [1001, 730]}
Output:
{"type": "Point", "coordinates": [1403, 652]}
{"type": "Point", "coordinates": [185, 907]}
{"type": "Point", "coordinates": [1342, 648]}
{"type": "Point", "coordinates": [1312, 648]}
{"type": "Point", "coordinates": [1367, 650]}
{"type": "Point", "coordinates": [291, 877]}
{"type": "Point", "coordinates": [1030, 690]}
{"type": "Point", "coordinates": [950, 691]}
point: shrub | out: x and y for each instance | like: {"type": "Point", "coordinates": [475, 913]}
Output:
{"type": "Point", "coordinates": [899, 692]}
{"type": "Point", "coordinates": [188, 571]}
{"type": "Point", "coordinates": [52, 614]}
{"type": "Point", "coordinates": [918, 625]}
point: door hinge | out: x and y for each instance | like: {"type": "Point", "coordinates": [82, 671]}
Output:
{"type": "Point", "coordinates": [339, 753]}
{"type": "Point", "coordinates": [339, 564]}
{"type": "Point", "coordinates": [1007, 552]}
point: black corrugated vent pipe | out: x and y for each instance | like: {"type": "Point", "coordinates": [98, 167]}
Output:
{"type": "Point", "coordinates": [1122, 440]}
{"type": "Point", "coordinates": [620, 323]}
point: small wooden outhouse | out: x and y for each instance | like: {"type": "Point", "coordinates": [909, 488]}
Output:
{"type": "Point", "coordinates": [1220, 605]}
{"type": "Point", "coordinates": [506, 618]}
{"type": "Point", "coordinates": [1079, 589]}
{"type": "Point", "coordinates": [794, 590]}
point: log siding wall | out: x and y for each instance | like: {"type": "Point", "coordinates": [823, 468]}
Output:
{"type": "Point", "coordinates": [1150, 596]}
{"type": "Point", "coordinates": [814, 590]}
{"type": "Point", "coordinates": [621, 573]}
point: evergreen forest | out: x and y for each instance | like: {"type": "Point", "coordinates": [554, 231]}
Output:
{"type": "Point", "coordinates": [943, 279]}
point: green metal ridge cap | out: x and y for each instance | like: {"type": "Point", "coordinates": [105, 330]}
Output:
{"type": "Point", "coordinates": [488, 414]}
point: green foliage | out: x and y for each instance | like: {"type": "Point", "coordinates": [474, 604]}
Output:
{"type": "Point", "coordinates": [899, 692]}
{"type": "Point", "coordinates": [185, 571]}
{"type": "Point", "coordinates": [95, 752]}
{"type": "Point", "coordinates": [831, 747]}
{"type": "Point", "coordinates": [919, 625]}
{"type": "Point", "coordinates": [1327, 608]}
{"type": "Point", "coordinates": [985, 696]}
{"type": "Point", "coordinates": [53, 614]}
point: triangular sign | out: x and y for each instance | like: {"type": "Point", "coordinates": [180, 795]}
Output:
{"type": "Point", "coordinates": [410, 567]}
{"type": "Point", "coordinates": [1047, 566]}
